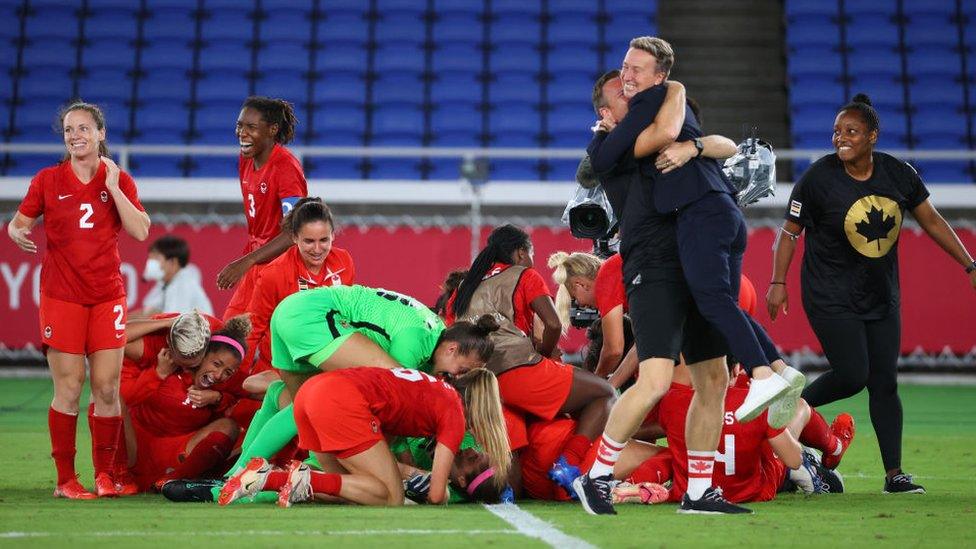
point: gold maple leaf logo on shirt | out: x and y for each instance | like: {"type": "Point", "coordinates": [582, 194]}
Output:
{"type": "Point", "coordinates": [872, 225]}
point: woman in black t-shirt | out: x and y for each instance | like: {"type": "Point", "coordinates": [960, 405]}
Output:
{"type": "Point", "coordinates": [851, 204]}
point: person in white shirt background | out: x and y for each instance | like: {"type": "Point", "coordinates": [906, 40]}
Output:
{"type": "Point", "coordinates": [178, 288]}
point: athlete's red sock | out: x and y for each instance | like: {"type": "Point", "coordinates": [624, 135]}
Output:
{"type": "Point", "coordinates": [817, 434]}
{"type": "Point", "coordinates": [576, 449]}
{"type": "Point", "coordinates": [286, 454]}
{"type": "Point", "coordinates": [326, 483]}
{"type": "Point", "coordinates": [275, 480]}
{"type": "Point", "coordinates": [62, 428]}
{"type": "Point", "coordinates": [657, 469]}
{"type": "Point", "coordinates": [105, 439]}
{"type": "Point", "coordinates": [207, 453]}
{"type": "Point", "coordinates": [120, 462]}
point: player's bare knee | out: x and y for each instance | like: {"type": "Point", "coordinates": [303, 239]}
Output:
{"type": "Point", "coordinates": [226, 426]}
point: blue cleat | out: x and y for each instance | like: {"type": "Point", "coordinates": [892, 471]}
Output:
{"type": "Point", "coordinates": [563, 474]}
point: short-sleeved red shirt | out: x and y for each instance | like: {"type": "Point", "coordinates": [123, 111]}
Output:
{"type": "Point", "coordinates": [81, 223]}
{"type": "Point", "coordinates": [530, 286]}
{"type": "Point", "coordinates": [262, 190]}
{"type": "Point", "coordinates": [738, 461]}
{"type": "Point", "coordinates": [408, 403]}
{"type": "Point", "coordinates": [608, 288]}
{"type": "Point", "coordinates": [282, 277]}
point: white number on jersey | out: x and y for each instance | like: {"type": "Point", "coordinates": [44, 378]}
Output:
{"type": "Point", "coordinates": [250, 208]}
{"type": "Point", "coordinates": [416, 375]}
{"type": "Point", "coordinates": [728, 457]}
{"type": "Point", "coordinates": [84, 222]}
{"type": "Point", "coordinates": [119, 312]}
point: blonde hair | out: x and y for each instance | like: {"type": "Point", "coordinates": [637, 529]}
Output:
{"type": "Point", "coordinates": [564, 267]}
{"type": "Point", "coordinates": [189, 334]}
{"type": "Point", "coordinates": [483, 408]}
{"type": "Point", "coordinates": [659, 48]}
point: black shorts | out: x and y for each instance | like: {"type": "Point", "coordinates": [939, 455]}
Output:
{"type": "Point", "coordinates": [666, 320]}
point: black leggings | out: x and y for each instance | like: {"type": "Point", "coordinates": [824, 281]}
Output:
{"type": "Point", "coordinates": [863, 353]}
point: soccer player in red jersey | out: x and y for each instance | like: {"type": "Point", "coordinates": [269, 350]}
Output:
{"type": "Point", "coordinates": [85, 200]}
{"type": "Point", "coordinates": [177, 416]}
{"type": "Point", "coordinates": [272, 181]}
{"type": "Point", "coordinates": [312, 263]}
{"type": "Point", "coordinates": [345, 416]}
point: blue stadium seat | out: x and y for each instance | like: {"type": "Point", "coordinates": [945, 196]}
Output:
{"type": "Point", "coordinates": [857, 8]}
{"type": "Point", "coordinates": [116, 118]}
{"type": "Point", "coordinates": [940, 141]}
{"type": "Point", "coordinates": [874, 60]}
{"type": "Point", "coordinates": [46, 82]}
{"type": "Point", "coordinates": [521, 88]}
{"type": "Point", "coordinates": [286, 84]}
{"type": "Point", "coordinates": [10, 11]}
{"type": "Point", "coordinates": [393, 168]}
{"type": "Point", "coordinates": [52, 22]}
{"type": "Point", "coordinates": [339, 125]}
{"type": "Point", "coordinates": [157, 166]}
{"type": "Point", "coordinates": [926, 30]}
{"type": "Point", "coordinates": [408, 6]}
{"type": "Point", "coordinates": [214, 122]}
{"type": "Point", "coordinates": [516, 7]}
{"type": "Point", "coordinates": [213, 166]}
{"type": "Point", "coordinates": [458, 27]}
{"type": "Point", "coordinates": [924, 61]}
{"type": "Point", "coordinates": [568, 123]}
{"type": "Point", "coordinates": [874, 30]}
{"type": "Point", "coordinates": [29, 164]}
{"type": "Point", "coordinates": [949, 121]}
{"type": "Point", "coordinates": [629, 24]}
{"type": "Point", "coordinates": [191, 4]}
{"type": "Point", "coordinates": [630, 6]}
{"type": "Point", "coordinates": [165, 84]}
{"type": "Point", "coordinates": [569, 86]}
{"type": "Point", "coordinates": [562, 170]}
{"type": "Point", "coordinates": [227, 55]}
{"type": "Point", "coordinates": [515, 29]}
{"type": "Point", "coordinates": [397, 57]}
{"type": "Point", "coordinates": [398, 89]}
{"type": "Point", "coordinates": [50, 52]}
{"type": "Point", "coordinates": [937, 91]}
{"type": "Point", "coordinates": [811, 139]}
{"type": "Point", "coordinates": [944, 7]}
{"type": "Point", "coordinates": [813, 30]}
{"type": "Point", "coordinates": [515, 126]}
{"type": "Point", "coordinates": [457, 56]}
{"type": "Point", "coordinates": [402, 27]}
{"type": "Point", "coordinates": [816, 90]}
{"type": "Point", "coordinates": [283, 55]}
{"type": "Point", "coordinates": [456, 87]}
{"type": "Point", "coordinates": [337, 57]}
{"type": "Point", "coordinates": [444, 169]}
{"type": "Point", "coordinates": [574, 57]}
{"type": "Point", "coordinates": [228, 25]}
{"type": "Point", "coordinates": [943, 171]}
{"type": "Point", "coordinates": [505, 170]}
{"type": "Point", "coordinates": [455, 118]}
{"type": "Point", "coordinates": [343, 28]}
{"type": "Point", "coordinates": [894, 130]}
{"type": "Point", "coordinates": [814, 60]}
{"type": "Point", "coordinates": [466, 138]}
{"type": "Point", "coordinates": [799, 8]}
{"type": "Point", "coordinates": [109, 52]}
{"type": "Point", "coordinates": [812, 119]}
{"type": "Point", "coordinates": [885, 91]}
{"type": "Point", "coordinates": [113, 6]}
{"type": "Point", "coordinates": [223, 85]}
{"type": "Point", "coordinates": [285, 25]}
{"type": "Point", "coordinates": [391, 122]}
{"type": "Point", "coordinates": [175, 25]}
{"type": "Point", "coordinates": [518, 58]}
{"type": "Point", "coordinates": [334, 168]}
{"type": "Point", "coordinates": [445, 7]}
{"type": "Point", "coordinates": [164, 54]}
{"type": "Point", "coordinates": [578, 28]}
{"type": "Point", "coordinates": [161, 122]}
{"type": "Point", "coordinates": [105, 83]}
{"type": "Point", "coordinates": [340, 89]}
{"type": "Point", "coordinates": [111, 22]}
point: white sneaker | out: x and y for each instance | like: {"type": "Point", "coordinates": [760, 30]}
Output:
{"type": "Point", "coordinates": [782, 410]}
{"type": "Point", "coordinates": [761, 393]}
{"type": "Point", "coordinates": [298, 487]}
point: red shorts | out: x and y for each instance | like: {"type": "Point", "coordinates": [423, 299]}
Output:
{"type": "Point", "coordinates": [242, 294]}
{"type": "Point", "coordinates": [82, 329]}
{"type": "Point", "coordinates": [334, 418]}
{"type": "Point", "coordinates": [539, 390]}
{"type": "Point", "coordinates": [546, 442]}
{"type": "Point", "coordinates": [515, 428]}
{"type": "Point", "coordinates": [156, 455]}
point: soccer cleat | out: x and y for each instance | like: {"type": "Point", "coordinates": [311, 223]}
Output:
{"type": "Point", "coordinates": [647, 493]}
{"type": "Point", "coordinates": [184, 491]}
{"type": "Point", "coordinates": [125, 485]}
{"type": "Point", "coordinates": [246, 482]}
{"type": "Point", "coordinates": [782, 410]}
{"type": "Point", "coordinates": [902, 483]}
{"type": "Point", "coordinates": [105, 486]}
{"type": "Point", "coordinates": [761, 393]}
{"type": "Point", "coordinates": [833, 481]}
{"type": "Point", "coordinates": [298, 487]}
{"type": "Point", "coordinates": [843, 428]}
{"type": "Point", "coordinates": [711, 503]}
{"type": "Point", "coordinates": [563, 474]}
{"type": "Point", "coordinates": [806, 476]}
{"type": "Point", "coordinates": [595, 494]}
{"type": "Point", "coordinates": [73, 490]}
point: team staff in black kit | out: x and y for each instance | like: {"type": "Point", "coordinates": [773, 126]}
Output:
{"type": "Point", "coordinates": [851, 204]}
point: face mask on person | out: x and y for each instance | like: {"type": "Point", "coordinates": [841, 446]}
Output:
{"type": "Point", "coordinates": [153, 270]}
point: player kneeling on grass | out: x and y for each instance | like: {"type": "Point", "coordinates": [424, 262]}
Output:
{"type": "Point", "coordinates": [177, 417]}
{"type": "Point", "coordinates": [344, 418]}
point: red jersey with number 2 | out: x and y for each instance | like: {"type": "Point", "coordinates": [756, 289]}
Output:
{"type": "Point", "coordinates": [263, 189]}
{"type": "Point", "coordinates": [81, 223]}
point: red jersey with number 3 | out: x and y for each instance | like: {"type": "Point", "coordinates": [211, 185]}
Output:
{"type": "Point", "coordinates": [738, 461]}
{"type": "Point", "coordinates": [263, 189]}
{"type": "Point", "coordinates": [410, 403]}
{"type": "Point", "coordinates": [81, 263]}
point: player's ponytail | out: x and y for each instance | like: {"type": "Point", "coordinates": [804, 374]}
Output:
{"type": "Point", "coordinates": [449, 286]}
{"type": "Point", "coordinates": [472, 336]}
{"type": "Point", "coordinates": [275, 111]}
{"type": "Point", "coordinates": [189, 334]}
{"type": "Point", "coordinates": [502, 244]}
{"type": "Point", "coordinates": [483, 408]}
{"type": "Point", "coordinates": [233, 337]}
{"type": "Point", "coordinates": [566, 266]}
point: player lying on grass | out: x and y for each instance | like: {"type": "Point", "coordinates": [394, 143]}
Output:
{"type": "Point", "coordinates": [177, 418]}
{"type": "Point", "coordinates": [344, 418]}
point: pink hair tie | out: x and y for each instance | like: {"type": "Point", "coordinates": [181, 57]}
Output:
{"type": "Point", "coordinates": [480, 479]}
{"type": "Point", "coordinates": [230, 341]}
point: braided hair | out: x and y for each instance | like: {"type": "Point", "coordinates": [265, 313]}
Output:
{"type": "Point", "coordinates": [862, 104]}
{"type": "Point", "coordinates": [503, 242]}
{"type": "Point", "coordinates": [275, 111]}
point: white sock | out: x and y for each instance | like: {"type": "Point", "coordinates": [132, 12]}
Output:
{"type": "Point", "coordinates": [700, 466]}
{"type": "Point", "coordinates": [606, 456]}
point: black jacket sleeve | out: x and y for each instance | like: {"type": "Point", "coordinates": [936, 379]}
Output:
{"type": "Point", "coordinates": [607, 149]}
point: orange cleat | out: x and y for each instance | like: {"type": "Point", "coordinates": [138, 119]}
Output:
{"type": "Point", "coordinates": [125, 485]}
{"type": "Point", "coordinates": [105, 486]}
{"type": "Point", "coordinates": [246, 482]}
{"type": "Point", "coordinates": [73, 490]}
{"type": "Point", "coordinates": [843, 428]}
{"type": "Point", "coordinates": [647, 493]}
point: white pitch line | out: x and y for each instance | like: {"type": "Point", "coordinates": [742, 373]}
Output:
{"type": "Point", "coordinates": [398, 532]}
{"type": "Point", "coordinates": [529, 525]}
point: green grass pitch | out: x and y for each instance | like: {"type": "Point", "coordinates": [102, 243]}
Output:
{"type": "Point", "coordinates": [940, 448]}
